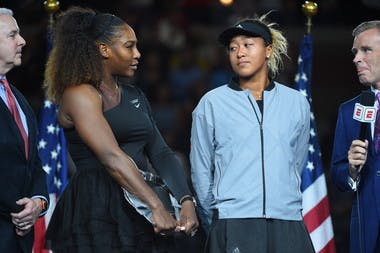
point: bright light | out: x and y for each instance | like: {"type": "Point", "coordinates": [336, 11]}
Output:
{"type": "Point", "coordinates": [226, 2]}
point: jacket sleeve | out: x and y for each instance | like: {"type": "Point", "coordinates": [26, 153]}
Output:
{"type": "Point", "coordinates": [202, 167]}
{"type": "Point", "coordinates": [304, 136]}
{"type": "Point", "coordinates": [339, 159]}
{"type": "Point", "coordinates": [38, 183]}
{"type": "Point", "coordinates": [36, 186]}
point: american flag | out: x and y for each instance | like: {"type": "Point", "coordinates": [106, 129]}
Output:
{"type": "Point", "coordinates": [52, 151]}
{"type": "Point", "coordinates": [316, 210]}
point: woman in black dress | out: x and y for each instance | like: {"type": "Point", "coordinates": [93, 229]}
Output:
{"type": "Point", "coordinates": [110, 134]}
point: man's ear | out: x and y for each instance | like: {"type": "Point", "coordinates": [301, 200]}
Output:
{"type": "Point", "coordinates": [104, 50]}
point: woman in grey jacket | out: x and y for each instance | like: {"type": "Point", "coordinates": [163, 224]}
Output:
{"type": "Point", "coordinates": [249, 143]}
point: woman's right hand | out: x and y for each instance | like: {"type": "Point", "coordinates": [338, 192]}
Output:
{"type": "Point", "coordinates": [162, 220]}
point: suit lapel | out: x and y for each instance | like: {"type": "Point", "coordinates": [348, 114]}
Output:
{"type": "Point", "coordinates": [29, 120]}
{"type": "Point", "coordinates": [13, 126]}
{"type": "Point", "coordinates": [14, 132]}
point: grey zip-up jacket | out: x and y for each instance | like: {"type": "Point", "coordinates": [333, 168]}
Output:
{"type": "Point", "coordinates": [248, 164]}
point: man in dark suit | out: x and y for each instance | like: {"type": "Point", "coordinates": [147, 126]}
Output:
{"type": "Point", "coordinates": [23, 190]}
{"type": "Point", "coordinates": [355, 164]}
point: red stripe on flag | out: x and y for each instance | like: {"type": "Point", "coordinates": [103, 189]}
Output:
{"type": "Point", "coordinates": [39, 236]}
{"type": "Point", "coordinates": [317, 215]}
{"type": "Point", "coordinates": [329, 247]}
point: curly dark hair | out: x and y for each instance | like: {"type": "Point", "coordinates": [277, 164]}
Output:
{"type": "Point", "coordinates": [75, 58]}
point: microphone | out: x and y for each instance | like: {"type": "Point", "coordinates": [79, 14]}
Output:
{"type": "Point", "coordinates": [365, 112]}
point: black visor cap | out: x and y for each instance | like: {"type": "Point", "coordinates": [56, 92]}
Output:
{"type": "Point", "coordinates": [252, 28]}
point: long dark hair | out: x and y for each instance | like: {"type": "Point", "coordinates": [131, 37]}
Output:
{"type": "Point", "coordinates": [75, 58]}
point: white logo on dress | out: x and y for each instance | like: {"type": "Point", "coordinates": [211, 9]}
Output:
{"type": "Point", "coordinates": [135, 102]}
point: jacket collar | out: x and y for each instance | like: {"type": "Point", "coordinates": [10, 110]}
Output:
{"type": "Point", "coordinates": [234, 84]}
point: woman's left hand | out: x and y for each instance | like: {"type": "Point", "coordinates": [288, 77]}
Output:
{"type": "Point", "coordinates": [188, 221]}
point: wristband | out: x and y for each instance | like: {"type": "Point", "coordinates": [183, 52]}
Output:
{"type": "Point", "coordinates": [188, 198]}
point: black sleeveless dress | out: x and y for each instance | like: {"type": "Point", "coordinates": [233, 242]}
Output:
{"type": "Point", "coordinates": [92, 214]}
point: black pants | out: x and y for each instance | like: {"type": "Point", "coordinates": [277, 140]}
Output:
{"type": "Point", "coordinates": [258, 236]}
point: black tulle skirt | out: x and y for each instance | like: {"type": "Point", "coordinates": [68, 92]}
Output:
{"type": "Point", "coordinates": [93, 216]}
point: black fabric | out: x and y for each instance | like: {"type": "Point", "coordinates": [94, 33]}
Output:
{"type": "Point", "coordinates": [259, 236]}
{"type": "Point", "coordinates": [260, 103]}
{"type": "Point", "coordinates": [92, 214]}
{"type": "Point", "coordinates": [137, 134]}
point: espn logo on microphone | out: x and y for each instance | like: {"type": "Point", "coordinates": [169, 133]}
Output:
{"type": "Point", "coordinates": [363, 113]}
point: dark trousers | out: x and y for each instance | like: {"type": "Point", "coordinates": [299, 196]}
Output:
{"type": "Point", "coordinates": [10, 241]}
{"type": "Point", "coordinates": [258, 236]}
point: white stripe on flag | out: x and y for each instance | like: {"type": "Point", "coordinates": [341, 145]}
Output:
{"type": "Point", "coordinates": [53, 202]}
{"type": "Point", "coordinates": [314, 194]}
{"type": "Point", "coordinates": [322, 234]}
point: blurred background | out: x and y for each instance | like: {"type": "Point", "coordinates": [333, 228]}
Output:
{"type": "Point", "coordinates": [181, 60]}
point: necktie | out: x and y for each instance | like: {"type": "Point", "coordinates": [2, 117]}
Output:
{"type": "Point", "coordinates": [16, 114]}
{"type": "Point", "coordinates": [376, 134]}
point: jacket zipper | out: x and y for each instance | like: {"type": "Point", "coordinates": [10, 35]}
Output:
{"type": "Point", "coordinates": [262, 153]}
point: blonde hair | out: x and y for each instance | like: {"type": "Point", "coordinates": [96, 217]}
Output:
{"type": "Point", "coordinates": [279, 47]}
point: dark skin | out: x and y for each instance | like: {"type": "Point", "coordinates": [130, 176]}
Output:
{"type": "Point", "coordinates": [82, 107]}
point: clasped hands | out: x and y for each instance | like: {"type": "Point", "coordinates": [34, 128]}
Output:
{"type": "Point", "coordinates": [25, 219]}
{"type": "Point", "coordinates": [164, 222]}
